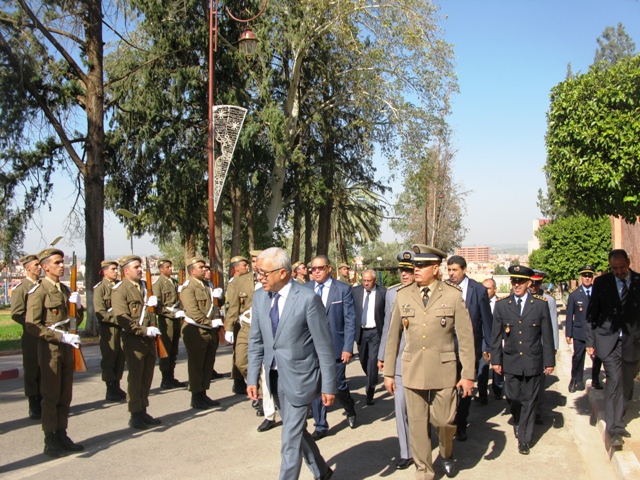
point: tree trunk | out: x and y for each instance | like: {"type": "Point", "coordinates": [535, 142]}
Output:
{"type": "Point", "coordinates": [308, 231]}
{"type": "Point", "coordinates": [189, 248]}
{"type": "Point", "coordinates": [250, 234]}
{"type": "Point", "coordinates": [94, 173]}
{"type": "Point", "coordinates": [236, 219]}
{"type": "Point", "coordinates": [297, 225]}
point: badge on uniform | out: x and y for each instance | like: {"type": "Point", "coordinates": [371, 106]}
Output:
{"type": "Point", "coordinates": [580, 305]}
{"type": "Point", "coordinates": [134, 310]}
{"type": "Point", "coordinates": [405, 322]}
{"type": "Point", "coordinates": [54, 311]}
{"type": "Point", "coordinates": [508, 328]}
{"type": "Point", "coordinates": [443, 321]}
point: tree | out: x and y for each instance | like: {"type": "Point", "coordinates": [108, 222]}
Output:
{"type": "Point", "coordinates": [614, 45]}
{"type": "Point", "coordinates": [568, 243]}
{"type": "Point", "coordinates": [593, 141]}
{"type": "Point", "coordinates": [500, 270]}
{"type": "Point", "coordinates": [56, 76]}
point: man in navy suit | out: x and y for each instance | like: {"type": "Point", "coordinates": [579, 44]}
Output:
{"type": "Point", "coordinates": [369, 304]}
{"type": "Point", "coordinates": [290, 336]}
{"type": "Point", "coordinates": [613, 334]}
{"type": "Point", "coordinates": [477, 301]}
{"type": "Point", "coordinates": [338, 303]}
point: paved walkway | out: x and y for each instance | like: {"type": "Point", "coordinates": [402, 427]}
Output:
{"type": "Point", "coordinates": [223, 443]}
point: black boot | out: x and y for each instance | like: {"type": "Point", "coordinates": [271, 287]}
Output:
{"type": "Point", "coordinates": [121, 392]}
{"type": "Point", "coordinates": [209, 401]}
{"type": "Point", "coordinates": [148, 419]}
{"type": "Point", "coordinates": [167, 381]}
{"type": "Point", "coordinates": [35, 410]}
{"type": "Point", "coordinates": [137, 421]}
{"type": "Point", "coordinates": [198, 402]}
{"type": "Point", "coordinates": [66, 443]}
{"type": "Point", "coordinates": [52, 446]}
{"type": "Point", "coordinates": [112, 393]}
{"type": "Point", "coordinates": [177, 383]}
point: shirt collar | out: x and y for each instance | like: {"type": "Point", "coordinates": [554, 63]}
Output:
{"type": "Point", "coordinates": [284, 291]}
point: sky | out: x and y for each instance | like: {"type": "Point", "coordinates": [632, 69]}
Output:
{"type": "Point", "coordinates": [509, 54]}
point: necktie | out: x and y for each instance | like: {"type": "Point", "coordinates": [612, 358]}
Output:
{"type": "Point", "coordinates": [588, 290]}
{"type": "Point", "coordinates": [624, 291]}
{"type": "Point", "coordinates": [319, 290]}
{"type": "Point", "coordinates": [365, 309]}
{"type": "Point", "coordinates": [425, 296]}
{"type": "Point", "coordinates": [274, 314]}
{"type": "Point", "coordinates": [519, 303]}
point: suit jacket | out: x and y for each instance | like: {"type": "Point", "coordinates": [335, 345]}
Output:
{"type": "Point", "coordinates": [429, 355]}
{"type": "Point", "coordinates": [576, 317]}
{"type": "Point", "coordinates": [358, 294]}
{"type": "Point", "coordinates": [302, 345]}
{"type": "Point", "coordinates": [479, 307]}
{"type": "Point", "coordinates": [606, 318]}
{"type": "Point", "coordinates": [342, 316]}
{"type": "Point", "coordinates": [389, 301]}
{"type": "Point", "coordinates": [528, 338]}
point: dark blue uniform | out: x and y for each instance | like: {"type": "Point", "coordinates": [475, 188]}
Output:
{"type": "Point", "coordinates": [575, 328]}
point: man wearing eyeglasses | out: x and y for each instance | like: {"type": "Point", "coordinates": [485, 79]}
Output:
{"type": "Point", "coordinates": [338, 303]}
{"type": "Point", "coordinates": [523, 322]}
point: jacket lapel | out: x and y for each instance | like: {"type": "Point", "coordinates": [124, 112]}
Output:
{"type": "Point", "coordinates": [333, 292]}
{"type": "Point", "coordinates": [434, 294]}
{"type": "Point", "coordinates": [289, 303]}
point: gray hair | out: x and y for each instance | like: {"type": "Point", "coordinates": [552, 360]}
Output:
{"type": "Point", "coordinates": [489, 279]}
{"type": "Point", "coordinates": [279, 258]}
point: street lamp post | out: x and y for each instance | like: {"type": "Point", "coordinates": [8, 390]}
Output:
{"type": "Point", "coordinates": [247, 44]}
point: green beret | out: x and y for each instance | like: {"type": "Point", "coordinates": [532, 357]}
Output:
{"type": "Point", "coordinates": [128, 259]}
{"type": "Point", "coordinates": [49, 252]}
{"type": "Point", "coordinates": [162, 261]}
{"type": "Point", "coordinates": [194, 260]}
{"type": "Point", "coordinates": [106, 263]}
{"type": "Point", "coordinates": [28, 259]}
{"type": "Point", "coordinates": [238, 259]}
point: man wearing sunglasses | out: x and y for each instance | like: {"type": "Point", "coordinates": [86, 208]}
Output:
{"type": "Point", "coordinates": [523, 322]}
{"type": "Point", "coordinates": [338, 302]}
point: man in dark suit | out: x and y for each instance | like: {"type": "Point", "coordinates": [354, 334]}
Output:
{"type": "Point", "coordinates": [477, 301]}
{"type": "Point", "coordinates": [338, 303]}
{"type": "Point", "coordinates": [522, 321]}
{"type": "Point", "coordinates": [290, 336]}
{"type": "Point", "coordinates": [369, 301]}
{"type": "Point", "coordinates": [575, 331]}
{"type": "Point", "coordinates": [613, 334]}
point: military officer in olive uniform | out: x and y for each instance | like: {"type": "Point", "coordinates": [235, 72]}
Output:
{"type": "Point", "coordinates": [238, 318]}
{"type": "Point", "coordinates": [343, 273]}
{"type": "Point", "coordinates": [522, 322]}
{"type": "Point", "coordinates": [431, 313]}
{"type": "Point", "coordinates": [48, 319]}
{"type": "Point", "coordinates": [199, 333]}
{"type": "Point", "coordinates": [112, 363]}
{"type": "Point", "coordinates": [170, 313]}
{"type": "Point", "coordinates": [131, 307]}
{"type": "Point", "coordinates": [29, 343]}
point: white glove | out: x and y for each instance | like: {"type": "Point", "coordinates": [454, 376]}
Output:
{"type": "Point", "coordinates": [180, 314]}
{"type": "Point", "coordinates": [152, 301]}
{"type": "Point", "coordinates": [71, 339]}
{"type": "Point", "coordinates": [228, 336]}
{"type": "Point", "coordinates": [75, 298]}
{"type": "Point", "coordinates": [216, 322]}
{"type": "Point", "coordinates": [153, 331]}
{"type": "Point", "coordinates": [217, 293]}
{"type": "Point", "coordinates": [179, 288]}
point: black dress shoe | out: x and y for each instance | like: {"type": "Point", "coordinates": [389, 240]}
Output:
{"type": "Point", "coordinates": [255, 403]}
{"type": "Point", "coordinates": [326, 476]}
{"type": "Point", "coordinates": [515, 430]}
{"type": "Point", "coordinates": [318, 434]}
{"type": "Point", "coordinates": [352, 421]}
{"type": "Point", "coordinates": [482, 400]}
{"type": "Point", "coordinates": [596, 385]}
{"type": "Point", "coordinates": [523, 448]}
{"type": "Point", "coordinates": [580, 386]}
{"type": "Point", "coordinates": [370, 401]}
{"type": "Point", "coordinates": [572, 386]}
{"type": "Point", "coordinates": [260, 411]}
{"type": "Point", "coordinates": [625, 434]}
{"type": "Point", "coordinates": [616, 440]}
{"type": "Point", "coordinates": [449, 466]}
{"type": "Point", "coordinates": [216, 376]}
{"type": "Point", "coordinates": [538, 419]}
{"type": "Point", "coordinates": [266, 425]}
{"type": "Point", "coordinates": [404, 463]}
{"type": "Point", "coordinates": [461, 436]}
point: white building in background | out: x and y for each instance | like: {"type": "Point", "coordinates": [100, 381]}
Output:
{"type": "Point", "coordinates": [534, 243]}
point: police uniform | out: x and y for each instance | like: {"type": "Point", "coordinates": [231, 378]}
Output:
{"type": "Point", "coordinates": [429, 368]}
{"type": "Point", "coordinates": [166, 289]}
{"type": "Point", "coordinates": [28, 342]}
{"type": "Point", "coordinates": [528, 349]}
{"type": "Point", "coordinates": [238, 319]}
{"type": "Point", "coordinates": [199, 336]}
{"type": "Point", "coordinates": [48, 319]}
{"type": "Point", "coordinates": [128, 299]}
{"type": "Point", "coordinates": [112, 363]}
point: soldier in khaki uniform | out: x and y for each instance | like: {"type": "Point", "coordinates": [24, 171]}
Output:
{"type": "Point", "coordinates": [343, 273]}
{"type": "Point", "coordinates": [29, 343]}
{"type": "Point", "coordinates": [299, 276]}
{"type": "Point", "coordinates": [431, 313]}
{"type": "Point", "coordinates": [48, 319]}
{"type": "Point", "coordinates": [130, 305]}
{"type": "Point", "coordinates": [238, 319]}
{"type": "Point", "coordinates": [112, 363]}
{"type": "Point", "coordinates": [169, 312]}
{"type": "Point", "coordinates": [199, 333]}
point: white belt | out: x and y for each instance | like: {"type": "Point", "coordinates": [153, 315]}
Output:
{"type": "Point", "coordinates": [57, 324]}
{"type": "Point", "coordinates": [245, 317]}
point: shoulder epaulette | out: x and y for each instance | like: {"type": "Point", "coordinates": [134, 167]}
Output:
{"type": "Point", "coordinates": [186, 282]}
{"type": "Point", "coordinates": [97, 285]}
{"type": "Point", "coordinates": [154, 282]}
{"type": "Point", "coordinates": [451, 284]}
{"type": "Point", "coordinates": [405, 286]}
{"type": "Point", "coordinates": [19, 283]}
{"type": "Point", "coordinates": [503, 298]}
{"type": "Point", "coordinates": [116, 285]}
{"type": "Point", "coordinates": [574, 289]}
{"type": "Point", "coordinates": [397, 285]}
{"type": "Point", "coordinates": [540, 297]}
{"type": "Point", "coordinates": [35, 287]}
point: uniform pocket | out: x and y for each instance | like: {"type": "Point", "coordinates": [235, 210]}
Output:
{"type": "Point", "coordinates": [448, 357]}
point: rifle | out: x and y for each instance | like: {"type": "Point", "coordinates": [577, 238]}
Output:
{"type": "Point", "coordinates": [181, 276]}
{"type": "Point", "coordinates": [218, 303]}
{"type": "Point", "coordinates": [162, 351]}
{"type": "Point", "coordinates": [79, 365]}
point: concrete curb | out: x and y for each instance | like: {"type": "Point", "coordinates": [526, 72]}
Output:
{"type": "Point", "coordinates": [624, 461]}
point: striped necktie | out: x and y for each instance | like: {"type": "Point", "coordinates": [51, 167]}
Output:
{"type": "Point", "coordinates": [624, 291]}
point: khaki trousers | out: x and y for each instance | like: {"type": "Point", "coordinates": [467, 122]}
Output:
{"type": "Point", "coordinates": [170, 335]}
{"type": "Point", "coordinates": [140, 353]}
{"type": "Point", "coordinates": [242, 349]}
{"type": "Point", "coordinates": [201, 345]}
{"type": "Point", "coordinates": [56, 385]}
{"type": "Point", "coordinates": [112, 363]}
{"type": "Point", "coordinates": [425, 407]}
{"type": "Point", "coordinates": [30, 364]}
